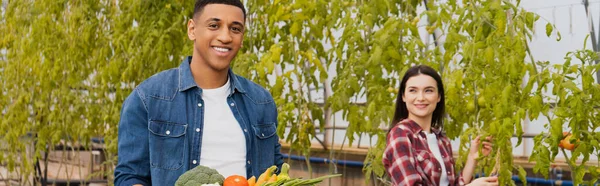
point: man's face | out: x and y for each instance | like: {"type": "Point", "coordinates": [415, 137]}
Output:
{"type": "Point", "coordinates": [217, 34]}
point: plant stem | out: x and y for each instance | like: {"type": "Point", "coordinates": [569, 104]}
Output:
{"type": "Point", "coordinates": [568, 160]}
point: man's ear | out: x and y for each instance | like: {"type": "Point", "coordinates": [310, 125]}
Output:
{"type": "Point", "coordinates": [191, 26]}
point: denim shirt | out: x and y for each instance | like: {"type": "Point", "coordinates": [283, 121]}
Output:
{"type": "Point", "coordinates": [161, 125]}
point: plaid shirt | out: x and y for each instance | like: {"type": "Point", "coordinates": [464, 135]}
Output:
{"type": "Point", "coordinates": [409, 161]}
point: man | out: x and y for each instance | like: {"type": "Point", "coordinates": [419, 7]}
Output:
{"type": "Point", "coordinates": [200, 113]}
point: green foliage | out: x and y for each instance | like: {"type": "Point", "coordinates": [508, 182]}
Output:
{"type": "Point", "coordinates": [576, 95]}
{"type": "Point", "coordinates": [286, 40]}
{"type": "Point", "coordinates": [66, 67]}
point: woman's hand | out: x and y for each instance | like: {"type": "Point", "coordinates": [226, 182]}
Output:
{"type": "Point", "coordinates": [485, 149]}
{"type": "Point", "coordinates": [469, 168]}
{"type": "Point", "coordinates": [485, 181]}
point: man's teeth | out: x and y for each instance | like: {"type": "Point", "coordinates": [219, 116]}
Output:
{"type": "Point", "coordinates": [221, 49]}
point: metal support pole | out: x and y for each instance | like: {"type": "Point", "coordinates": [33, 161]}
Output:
{"type": "Point", "coordinates": [595, 45]}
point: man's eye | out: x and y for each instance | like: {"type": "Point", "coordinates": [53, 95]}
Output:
{"type": "Point", "coordinates": [412, 90]}
{"type": "Point", "coordinates": [236, 29]}
{"type": "Point", "coordinates": [213, 26]}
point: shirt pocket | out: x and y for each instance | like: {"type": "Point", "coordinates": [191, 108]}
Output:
{"type": "Point", "coordinates": [426, 165]}
{"type": "Point", "coordinates": [167, 144]}
{"type": "Point", "coordinates": [266, 139]}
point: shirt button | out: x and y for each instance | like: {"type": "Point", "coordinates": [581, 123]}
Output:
{"type": "Point", "coordinates": [263, 134]}
{"type": "Point", "coordinates": [248, 162]}
{"type": "Point", "coordinates": [199, 104]}
{"type": "Point", "coordinates": [197, 129]}
{"type": "Point", "coordinates": [245, 130]}
{"type": "Point", "coordinates": [194, 162]}
{"type": "Point", "coordinates": [232, 104]}
{"type": "Point", "coordinates": [168, 132]}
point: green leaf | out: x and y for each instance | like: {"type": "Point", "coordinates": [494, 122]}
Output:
{"type": "Point", "coordinates": [518, 126]}
{"type": "Point", "coordinates": [556, 128]}
{"type": "Point", "coordinates": [541, 157]}
{"type": "Point", "coordinates": [570, 85]}
{"type": "Point", "coordinates": [489, 54]}
{"type": "Point", "coordinates": [394, 54]}
{"type": "Point", "coordinates": [522, 175]}
{"type": "Point", "coordinates": [295, 29]}
{"type": "Point", "coordinates": [561, 112]}
{"type": "Point", "coordinates": [549, 28]}
{"type": "Point", "coordinates": [376, 56]}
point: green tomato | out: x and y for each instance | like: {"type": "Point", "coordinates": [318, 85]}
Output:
{"type": "Point", "coordinates": [470, 106]}
{"type": "Point", "coordinates": [481, 101]}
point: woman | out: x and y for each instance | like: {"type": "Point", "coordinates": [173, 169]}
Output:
{"type": "Point", "coordinates": [417, 152]}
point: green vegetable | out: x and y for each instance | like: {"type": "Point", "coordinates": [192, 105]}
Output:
{"type": "Point", "coordinates": [292, 182]}
{"type": "Point", "coordinates": [200, 175]}
{"type": "Point", "coordinates": [314, 181]}
{"type": "Point", "coordinates": [283, 175]}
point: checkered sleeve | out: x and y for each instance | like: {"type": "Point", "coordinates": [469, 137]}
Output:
{"type": "Point", "coordinates": [398, 158]}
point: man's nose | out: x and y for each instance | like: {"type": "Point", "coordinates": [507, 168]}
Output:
{"type": "Point", "coordinates": [224, 36]}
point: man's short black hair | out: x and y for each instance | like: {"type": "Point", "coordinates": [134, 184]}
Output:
{"type": "Point", "coordinates": [200, 4]}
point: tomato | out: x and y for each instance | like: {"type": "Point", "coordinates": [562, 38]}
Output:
{"type": "Point", "coordinates": [391, 89]}
{"type": "Point", "coordinates": [481, 101]}
{"type": "Point", "coordinates": [565, 143]}
{"type": "Point", "coordinates": [235, 180]}
{"type": "Point", "coordinates": [470, 106]}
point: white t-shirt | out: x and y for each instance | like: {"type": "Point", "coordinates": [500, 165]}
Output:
{"type": "Point", "coordinates": [435, 149]}
{"type": "Point", "coordinates": [223, 141]}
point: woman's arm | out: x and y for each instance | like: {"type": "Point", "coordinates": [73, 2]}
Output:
{"type": "Point", "coordinates": [469, 169]}
{"type": "Point", "coordinates": [398, 158]}
{"type": "Point", "coordinates": [467, 173]}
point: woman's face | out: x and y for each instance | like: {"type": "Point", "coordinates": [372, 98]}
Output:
{"type": "Point", "coordinates": [421, 96]}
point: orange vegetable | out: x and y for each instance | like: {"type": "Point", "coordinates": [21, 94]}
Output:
{"type": "Point", "coordinates": [264, 177]}
{"type": "Point", "coordinates": [252, 181]}
{"type": "Point", "coordinates": [235, 180]}
{"type": "Point", "coordinates": [272, 179]}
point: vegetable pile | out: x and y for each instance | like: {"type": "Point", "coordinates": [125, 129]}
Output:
{"type": "Point", "coordinates": [205, 176]}
{"type": "Point", "coordinates": [267, 178]}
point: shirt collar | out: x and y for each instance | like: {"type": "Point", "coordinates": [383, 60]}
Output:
{"type": "Point", "coordinates": [235, 83]}
{"type": "Point", "coordinates": [186, 80]}
{"type": "Point", "coordinates": [416, 128]}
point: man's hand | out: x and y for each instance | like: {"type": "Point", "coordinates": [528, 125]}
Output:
{"type": "Point", "coordinates": [485, 181]}
{"type": "Point", "coordinates": [138, 185]}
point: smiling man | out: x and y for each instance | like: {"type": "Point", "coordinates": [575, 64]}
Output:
{"type": "Point", "coordinates": [200, 113]}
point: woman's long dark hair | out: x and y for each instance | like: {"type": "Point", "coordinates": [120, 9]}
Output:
{"type": "Point", "coordinates": [401, 110]}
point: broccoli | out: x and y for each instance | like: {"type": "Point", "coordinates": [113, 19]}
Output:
{"type": "Point", "coordinates": [198, 176]}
